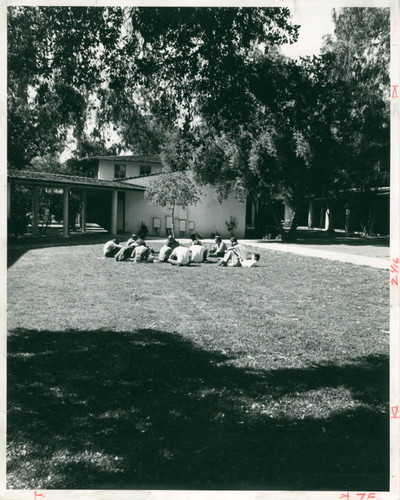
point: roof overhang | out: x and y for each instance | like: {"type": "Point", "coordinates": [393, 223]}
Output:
{"type": "Point", "coordinates": [68, 181]}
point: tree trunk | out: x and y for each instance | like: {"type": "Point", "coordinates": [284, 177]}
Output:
{"type": "Point", "coordinates": [370, 226]}
{"type": "Point", "coordinates": [366, 218]}
{"type": "Point", "coordinates": [292, 234]}
{"type": "Point", "coordinates": [278, 222]}
{"type": "Point", "coordinates": [257, 223]}
{"type": "Point", "coordinates": [172, 215]}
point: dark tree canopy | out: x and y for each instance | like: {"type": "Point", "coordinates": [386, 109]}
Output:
{"type": "Point", "coordinates": [138, 70]}
{"type": "Point", "coordinates": [318, 127]}
{"type": "Point", "coordinates": [56, 57]}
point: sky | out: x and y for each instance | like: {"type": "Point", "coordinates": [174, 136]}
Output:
{"type": "Point", "coordinates": [315, 21]}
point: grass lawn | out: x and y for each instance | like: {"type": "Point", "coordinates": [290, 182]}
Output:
{"type": "Point", "coordinates": [138, 376]}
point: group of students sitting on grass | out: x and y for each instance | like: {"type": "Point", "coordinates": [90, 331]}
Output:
{"type": "Point", "coordinates": [176, 254]}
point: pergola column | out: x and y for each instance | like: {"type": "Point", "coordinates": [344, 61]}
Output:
{"type": "Point", "coordinates": [114, 212]}
{"type": "Point", "coordinates": [35, 210]}
{"type": "Point", "coordinates": [288, 213]}
{"type": "Point", "coordinates": [310, 222]}
{"type": "Point", "coordinates": [65, 212]}
{"type": "Point", "coordinates": [83, 210]}
{"type": "Point", "coordinates": [328, 214]}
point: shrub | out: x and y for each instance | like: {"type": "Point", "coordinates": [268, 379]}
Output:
{"type": "Point", "coordinates": [231, 225]}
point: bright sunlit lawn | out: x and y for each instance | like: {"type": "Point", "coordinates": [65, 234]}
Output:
{"type": "Point", "coordinates": [148, 376]}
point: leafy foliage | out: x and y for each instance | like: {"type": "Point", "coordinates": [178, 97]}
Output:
{"type": "Point", "coordinates": [318, 127]}
{"type": "Point", "coordinates": [172, 189]}
{"type": "Point", "coordinates": [56, 56]}
{"type": "Point", "coordinates": [361, 54]}
{"type": "Point", "coordinates": [206, 88]}
{"type": "Point", "coordinates": [132, 70]}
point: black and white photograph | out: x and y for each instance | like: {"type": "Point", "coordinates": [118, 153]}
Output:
{"type": "Point", "coordinates": [199, 267]}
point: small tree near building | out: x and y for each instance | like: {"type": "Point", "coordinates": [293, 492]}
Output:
{"type": "Point", "coordinates": [171, 190]}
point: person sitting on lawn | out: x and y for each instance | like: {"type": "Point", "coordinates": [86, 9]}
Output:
{"type": "Point", "coordinates": [235, 255]}
{"type": "Point", "coordinates": [252, 262]}
{"type": "Point", "coordinates": [195, 239]}
{"type": "Point", "coordinates": [166, 249]}
{"type": "Point", "coordinates": [127, 252]}
{"type": "Point", "coordinates": [111, 248]}
{"type": "Point", "coordinates": [234, 242]}
{"type": "Point", "coordinates": [140, 253]}
{"type": "Point", "coordinates": [139, 241]}
{"type": "Point", "coordinates": [180, 256]}
{"type": "Point", "coordinates": [132, 240]}
{"type": "Point", "coordinates": [198, 253]}
{"type": "Point", "coordinates": [219, 249]}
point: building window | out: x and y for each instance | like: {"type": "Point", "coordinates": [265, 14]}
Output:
{"type": "Point", "coordinates": [119, 171]}
{"type": "Point", "coordinates": [145, 169]}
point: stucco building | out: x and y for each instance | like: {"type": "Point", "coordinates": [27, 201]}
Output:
{"type": "Point", "coordinates": [114, 199]}
{"type": "Point", "coordinates": [208, 216]}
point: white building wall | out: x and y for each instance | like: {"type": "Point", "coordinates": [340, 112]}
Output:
{"type": "Point", "coordinates": [208, 215]}
{"type": "Point", "coordinates": [106, 168]}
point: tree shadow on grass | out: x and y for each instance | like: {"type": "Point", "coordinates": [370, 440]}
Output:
{"type": "Point", "coordinates": [150, 410]}
{"type": "Point", "coordinates": [16, 248]}
{"type": "Point", "coordinates": [14, 255]}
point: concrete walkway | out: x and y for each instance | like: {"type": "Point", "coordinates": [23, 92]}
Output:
{"type": "Point", "coordinates": [342, 250]}
{"type": "Point", "coordinates": [362, 255]}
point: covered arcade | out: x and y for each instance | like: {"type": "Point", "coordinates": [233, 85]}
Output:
{"type": "Point", "coordinates": [37, 180]}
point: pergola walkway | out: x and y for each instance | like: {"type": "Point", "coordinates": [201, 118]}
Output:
{"type": "Point", "coordinates": [36, 180]}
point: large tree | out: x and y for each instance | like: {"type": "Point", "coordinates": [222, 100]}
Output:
{"type": "Point", "coordinates": [134, 70]}
{"type": "Point", "coordinates": [318, 127]}
{"type": "Point", "coordinates": [57, 58]}
{"type": "Point", "coordinates": [361, 52]}
{"type": "Point", "coordinates": [262, 158]}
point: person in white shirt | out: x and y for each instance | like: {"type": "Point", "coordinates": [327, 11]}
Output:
{"type": "Point", "coordinates": [198, 253]}
{"type": "Point", "coordinates": [140, 253]}
{"type": "Point", "coordinates": [180, 256]}
{"type": "Point", "coordinates": [166, 249]}
{"type": "Point", "coordinates": [252, 262]}
{"type": "Point", "coordinates": [111, 248]}
{"type": "Point", "coordinates": [132, 240]}
{"type": "Point", "coordinates": [219, 249]}
{"type": "Point", "coordinates": [127, 251]}
{"type": "Point", "coordinates": [236, 256]}
{"type": "Point", "coordinates": [195, 239]}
